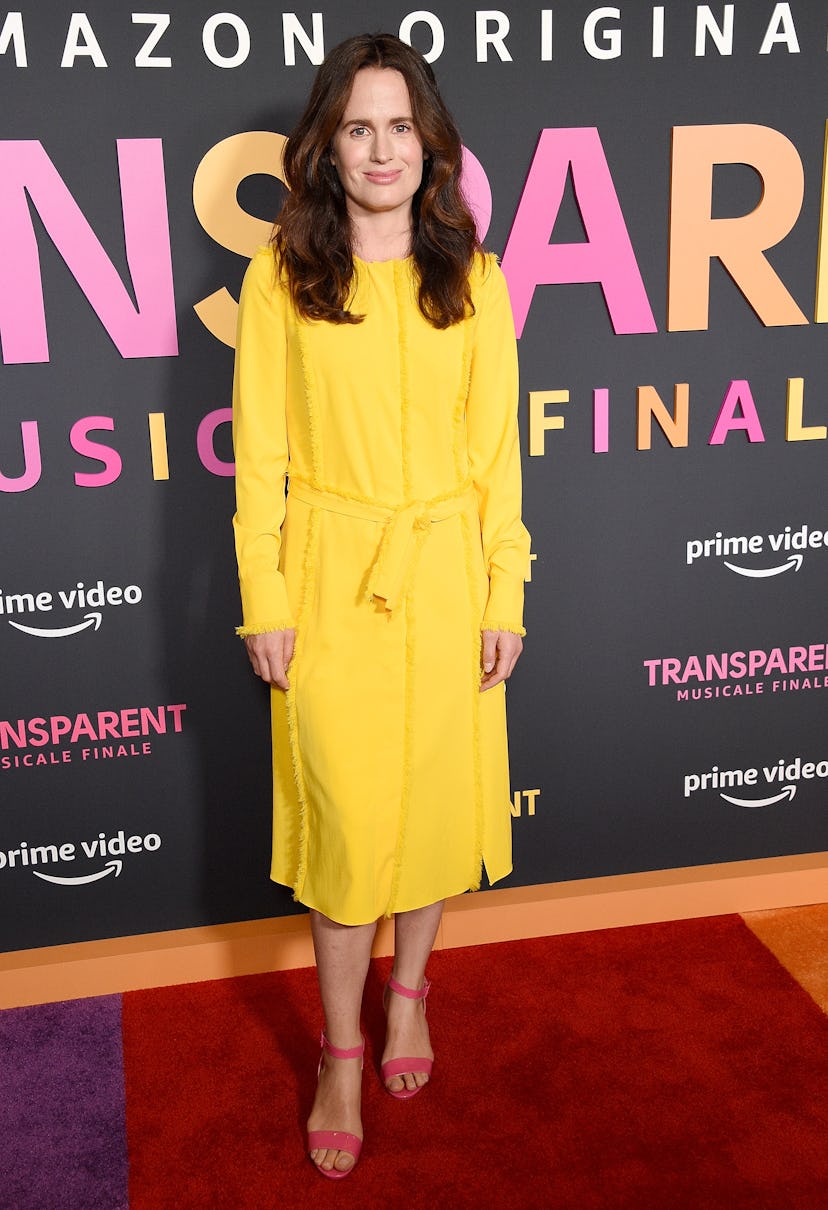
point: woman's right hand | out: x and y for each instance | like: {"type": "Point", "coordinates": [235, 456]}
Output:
{"type": "Point", "coordinates": [270, 654]}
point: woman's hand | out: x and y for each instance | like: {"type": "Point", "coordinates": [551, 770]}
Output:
{"type": "Point", "coordinates": [270, 654]}
{"type": "Point", "coordinates": [499, 654]}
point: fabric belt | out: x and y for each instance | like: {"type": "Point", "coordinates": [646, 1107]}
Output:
{"type": "Point", "coordinates": [405, 527]}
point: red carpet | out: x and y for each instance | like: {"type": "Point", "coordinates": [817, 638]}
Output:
{"type": "Point", "coordinates": [675, 1065]}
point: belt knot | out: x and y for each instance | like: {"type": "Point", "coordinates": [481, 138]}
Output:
{"type": "Point", "coordinates": [405, 531]}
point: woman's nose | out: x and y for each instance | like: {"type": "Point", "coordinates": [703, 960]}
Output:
{"type": "Point", "coordinates": [382, 148]}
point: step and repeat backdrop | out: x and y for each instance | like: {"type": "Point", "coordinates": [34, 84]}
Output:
{"type": "Point", "coordinates": [652, 177]}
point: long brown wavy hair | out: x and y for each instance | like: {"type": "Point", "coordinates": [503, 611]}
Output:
{"type": "Point", "coordinates": [313, 239]}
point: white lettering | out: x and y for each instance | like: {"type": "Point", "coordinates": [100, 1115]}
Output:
{"type": "Point", "coordinates": [160, 23]}
{"type": "Point", "coordinates": [438, 37]}
{"type": "Point", "coordinates": [313, 46]}
{"type": "Point", "coordinates": [722, 37]}
{"type": "Point", "coordinates": [658, 32]}
{"type": "Point", "coordinates": [79, 27]}
{"type": "Point", "coordinates": [546, 35]}
{"type": "Point", "coordinates": [486, 36]}
{"type": "Point", "coordinates": [12, 34]}
{"type": "Point", "coordinates": [780, 29]}
{"type": "Point", "coordinates": [610, 44]}
{"type": "Point", "coordinates": [208, 40]}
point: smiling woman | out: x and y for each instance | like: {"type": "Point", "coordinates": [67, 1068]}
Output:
{"type": "Point", "coordinates": [378, 157]}
{"type": "Point", "coordinates": [376, 373]}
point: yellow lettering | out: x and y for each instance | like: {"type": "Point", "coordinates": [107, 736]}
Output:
{"type": "Point", "coordinates": [217, 178]}
{"type": "Point", "coordinates": [675, 426]}
{"type": "Point", "coordinates": [821, 305]}
{"type": "Point", "coordinates": [539, 422]}
{"type": "Point", "coordinates": [158, 445]}
{"type": "Point", "coordinates": [795, 430]}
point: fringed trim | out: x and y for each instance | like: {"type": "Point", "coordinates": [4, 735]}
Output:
{"type": "Point", "coordinates": [373, 502]}
{"type": "Point", "coordinates": [476, 673]}
{"type": "Point", "coordinates": [354, 497]}
{"type": "Point", "coordinates": [378, 565]}
{"type": "Point", "coordinates": [422, 528]}
{"type": "Point", "coordinates": [509, 627]}
{"type": "Point", "coordinates": [309, 384]}
{"type": "Point", "coordinates": [460, 450]}
{"type": "Point", "coordinates": [309, 567]}
{"type": "Point", "coordinates": [402, 288]}
{"type": "Point", "coordinates": [408, 739]}
{"type": "Point", "coordinates": [265, 628]}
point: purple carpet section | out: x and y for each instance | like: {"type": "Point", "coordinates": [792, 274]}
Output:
{"type": "Point", "coordinates": [62, 1125]}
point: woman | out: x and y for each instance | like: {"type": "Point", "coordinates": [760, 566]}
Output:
{"type": "Point", "coordinates": [376, 373]}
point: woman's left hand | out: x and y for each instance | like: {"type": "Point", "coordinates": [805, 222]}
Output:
{"type": "Point", "coordinates": [499, 654]}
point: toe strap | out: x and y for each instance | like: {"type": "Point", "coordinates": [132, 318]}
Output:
{"type": "Point", "coordinates": [334, 1140]}
{"type": "Point", "coordinates": [400, 1067]}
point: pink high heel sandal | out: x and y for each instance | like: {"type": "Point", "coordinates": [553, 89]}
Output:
{"type": "Point", "coordinates": [399, 1067]}
{"type": "Point", "coordinates": [336, 1140]}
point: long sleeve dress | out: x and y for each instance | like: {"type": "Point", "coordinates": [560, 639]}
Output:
{"type": "Point", "coordinates": [398, 540]}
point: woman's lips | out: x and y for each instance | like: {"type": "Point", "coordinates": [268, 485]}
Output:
{"type": "Point", "coordinates": [383, 178]}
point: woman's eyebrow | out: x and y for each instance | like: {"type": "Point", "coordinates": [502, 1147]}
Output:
{"type": "Point", "coordinates": [367, 121]}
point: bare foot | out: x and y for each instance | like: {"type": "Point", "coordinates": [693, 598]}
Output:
{"type": "Point", "coordinates": [336, 1106]}
{"type": "Point", "coordinates": [406, 1036]}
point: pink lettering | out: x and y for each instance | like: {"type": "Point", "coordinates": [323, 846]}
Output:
{"type": "Point", "coordinates": [605, 257]}
{"type": "Point", "coordinates": [477, 191]}
{"type": "Point", "coordinates": [738, 394]}
{"type": "Point", "coordinates": [756, 662]}
{"type": "Point", "coordinates": [600, 420]}
{"type": "Point", "coordinates": [148, 330]}
{"type": "Point", "coordinates": [32, 466]}
{"type": "Point", "coordinates": [204, 442]}
{"type": "Point", "coordinates": [671, 671]}
{"type": "Point", "coordinates": [78, 439]}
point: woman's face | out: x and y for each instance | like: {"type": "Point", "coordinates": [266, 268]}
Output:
{"type": "Point", "coordinates": [376, 149]}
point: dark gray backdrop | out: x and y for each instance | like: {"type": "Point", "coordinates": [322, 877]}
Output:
{"type": "Point", "coordinates": [610, 584]}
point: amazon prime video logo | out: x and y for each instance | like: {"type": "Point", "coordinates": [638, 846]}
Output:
{"type": "Point", "coordinates": [759, 556]}
{"type": "Point", "coordinates": [56, 615]}
{"type": "Point", "coordinates": [71, 865]}
{"type": "Point", "coordinates": [762, 787]}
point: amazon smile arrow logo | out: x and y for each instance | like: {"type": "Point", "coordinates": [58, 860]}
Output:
{"type": "Point", "coordinates": [762, 573]}
{"type": "Point", "coordinates": [80, 879]}
{"type": "Point", "coordinates": [787, 792]}
{"type": "Point", "coordinates": [59, 632]}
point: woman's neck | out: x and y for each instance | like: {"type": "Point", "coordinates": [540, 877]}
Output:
{"type": "Point", "coordinates": [374, 240]}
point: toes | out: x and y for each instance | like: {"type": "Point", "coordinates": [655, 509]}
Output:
{"type": "Point", "coordinates": [409, 1081]}
{"type": "Point", "coordinates": [328, 1159]}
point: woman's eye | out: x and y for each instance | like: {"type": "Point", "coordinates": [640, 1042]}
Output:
{"type": "Point", "coordinates": [358, 130]}
{"type": "Point", "coordinates": [402, 128]}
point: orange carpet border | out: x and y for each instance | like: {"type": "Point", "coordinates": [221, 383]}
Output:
{"type": "Point", "coordinates": [798, 937]}
{"type": "Point", "coordinates": [96, 968]}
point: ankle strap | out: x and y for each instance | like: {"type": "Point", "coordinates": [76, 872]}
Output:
{"type": "Point", "coordinates": [337, 1052]}
{"type": "Point", "coordinates": [409, 992]}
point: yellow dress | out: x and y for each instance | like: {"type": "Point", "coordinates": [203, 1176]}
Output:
{"type": "Point", "coordinates": [399, 540]}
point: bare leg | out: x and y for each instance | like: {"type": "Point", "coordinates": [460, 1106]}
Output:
{"type": "Point", "coordinates": [407, 1029]}
{"type": "Point", "coordinates": [342, 956]}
